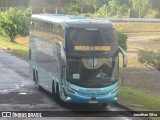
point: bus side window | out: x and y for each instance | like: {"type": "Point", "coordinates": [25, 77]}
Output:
{"type": "Point", "coordinates": [54, 51]}
{"type": "Point", "coordinates": [58, 47]}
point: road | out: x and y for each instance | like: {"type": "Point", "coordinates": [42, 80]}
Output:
{"type": "Point", "coordinates": [18, 93]}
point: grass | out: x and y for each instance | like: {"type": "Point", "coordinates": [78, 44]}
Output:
{"type": "Point", "coordinates": [129, 95]}
{"type": "Point", "coordinates": [138, 100]}
{"type": "Point", "coordinates": [17, 49]}
{"type": "Point", "coordinates": [136, 27]}
{"type": "Point", "coordinates": [23, 41]}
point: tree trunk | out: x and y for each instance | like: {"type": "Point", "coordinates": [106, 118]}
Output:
{"type": "Point", "coordinates": [44, 10]}
{"type": "Point", "coordinates": [129, 12]}
{"type": "Point", "coordinates": [139, 13]}
{"type": "Point", "coordinates": [95, 8]}
{"type": "Point", "coordinates": [117, 12]}
{"type": "Point", "coordinates": [81, 10]}
{"type": "Point", "coordinates": [12, 38]}
{"type": "Point", "coordinates": [56, 10]}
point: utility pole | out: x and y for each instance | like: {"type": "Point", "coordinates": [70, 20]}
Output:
{"type": "Point", "coordinates": [129, 8]}
{"type": "Point", "coordinates": [140, 9]}
{"type": "Point", "coordinates": [57, 5]}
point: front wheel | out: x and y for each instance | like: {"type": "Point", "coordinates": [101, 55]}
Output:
{"type": "Point", "coordinates": [37, 81]}
{"type": "Point", "coordinates": [57, 96]}
{"type": "Point", "coordinates": [34, 75]}
{"type": "Point", "coordinates": [53, 89]}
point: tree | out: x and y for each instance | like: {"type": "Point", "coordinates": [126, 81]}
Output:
{"type": "Point", "coordinates": [149, 58]}
{"type": "Point", "coordinates": [102, 11]}
{"type": "Point", "coordinates": [15, 22]}
{"type": "Point", "coordinates": [118, 8]}
{"type": "Point", "coordinates": [141, 6]}
{"type": "Point", "coordinates": [114, 7]}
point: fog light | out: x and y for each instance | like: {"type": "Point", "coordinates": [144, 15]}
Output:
{"type": "Point", "coordinates": [115, 98]}
{"type": "Point", "coordinates": [68, 98]}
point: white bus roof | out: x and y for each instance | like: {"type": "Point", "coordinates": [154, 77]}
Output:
{"type": "Point", "coordinates": [72, 21]}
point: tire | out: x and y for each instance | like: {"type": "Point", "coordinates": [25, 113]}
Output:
{"type": "Point", "coordinates": [57, 95]}
{"type": "Point", "coordinates": [53, 89]}
{"type": "Point", "coordinates": [37, 81]}
{"type": "Point", "coordinates": [34, 75]}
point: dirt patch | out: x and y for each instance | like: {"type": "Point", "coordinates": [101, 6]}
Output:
{"type": "Point", "coordinates": [137, 75]}
{"type": "Point", "coordinates": [23, 41]}
{"type": "Point", "coordinates": [3, 47]}
{"type": "Point", "coordinates": [142, 79]}
{"type": "Point", "coordinates": [151, 45]}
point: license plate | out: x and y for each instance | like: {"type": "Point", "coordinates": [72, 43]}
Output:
{"type": "Point", "coordinates": [93, 102]}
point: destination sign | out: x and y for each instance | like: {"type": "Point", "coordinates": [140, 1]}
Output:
{"type": "Point", "coordinates": [92, 48]}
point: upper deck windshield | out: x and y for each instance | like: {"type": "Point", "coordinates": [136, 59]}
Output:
{"type": "Point", "coordinates": [88, 41]}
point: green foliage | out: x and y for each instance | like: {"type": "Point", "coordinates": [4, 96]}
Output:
{"type": "Point", "coordinates": [88, 15]}
{"type": "Point", "coordinates": [72, 8]}
{"type": "Point", "coordinates": [102, 11]}
{"type": "Point", "coordinates": [15, 22]}
{"type": "Point", "coordinates": [123, 11]}
{"type": "Point", "coordinates": [122, 40]}
{"type": "Point", "coordinates": [133, 96]}
{"type": "Point", "coordinates": [150, 58]}
{"type": "Point", "coordinates": [152, 14]}
{"type": "Point", "coordinates": [73, 13]}
{"type": "Point", "coordinates": [114, 8]}
{"type": "Point", "coordinates": [141, 7]}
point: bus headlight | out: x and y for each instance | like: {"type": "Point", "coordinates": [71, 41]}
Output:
{"type": "Point", "coordinates": [113, 91]}
{"type": "Point", "coordinates": [71, 90]}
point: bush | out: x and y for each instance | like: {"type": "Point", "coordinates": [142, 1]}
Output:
{"type": "Point", "coordinates": [152, 14]}
{"type": "Point", "coordinates": [122, 40]}
{"type": "Point", "coordinates": [150, 58]}
{"type": "Point", "coordinates": [101, 12]}
{"type": "Point", "coordinates": [73, 13]}
{"type": "Point", "coordinates": [88, 15]}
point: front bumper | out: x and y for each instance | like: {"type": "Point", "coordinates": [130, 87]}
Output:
{"type": "Point", "coordinates": [77, 98]}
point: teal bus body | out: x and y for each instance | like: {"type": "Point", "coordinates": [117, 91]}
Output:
{"type": "Point", "coordinates": [84, 95]}
{"type": "Point", "coordinates": [74, 58]}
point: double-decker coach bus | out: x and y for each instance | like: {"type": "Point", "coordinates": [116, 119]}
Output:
{"type": "Point", "coordinates": [75, 58]}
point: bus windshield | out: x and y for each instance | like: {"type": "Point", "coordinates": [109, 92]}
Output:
{"type": "Point", "coordinates": [91, 40]}
{"type": "Point", "coordinates": [93, 72]}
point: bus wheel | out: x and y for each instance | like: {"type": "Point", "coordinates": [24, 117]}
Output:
{"type": "Point", "coordinates": [34, 75]}
{"type": "Point", "coordinates": [37, 81]}
{"type": "Point", "coordinates": [53, 89]}
{"type": "Point", "coordinates": [57, 95]}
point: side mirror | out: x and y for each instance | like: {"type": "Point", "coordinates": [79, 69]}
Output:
{"type": "Point", "coordinates": [125, 57]}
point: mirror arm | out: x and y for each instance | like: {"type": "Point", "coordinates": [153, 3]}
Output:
{"type": "Point", "coordinates": [125, 57]}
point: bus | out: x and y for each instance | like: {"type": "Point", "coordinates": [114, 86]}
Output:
{"type": "Point", "coordinates": [75, 58]}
